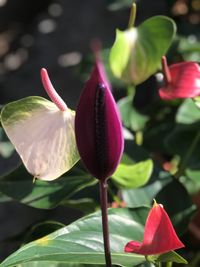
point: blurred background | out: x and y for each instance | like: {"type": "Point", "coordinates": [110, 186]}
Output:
{"type": "Point", "coordinates": [56, 35]}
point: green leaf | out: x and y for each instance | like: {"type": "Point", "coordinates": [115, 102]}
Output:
{"type": "Point", "coordinates": [155, 136]}
{"type": "Point", "coordinates": [189, 48]}
{"type": "Point", "coordinates": [167, 257]}
{"type": "Point", "coordinates": [42, 135]}
{"type": "Point", "coordinates": [133, 176]}
{"type": "Point", "coordinates": [180, 141]}
{"type": "Point", "coordinates": [131, 118]}
{"type": "Point", "coordinates": [41, 229]}
{"type": "Point", "coordinates": [194, 174]}
{"type": "Point", "coordinates": [85, 205]}
{"type": "Point", "coordinates": [19, 185]}
{"type": "Point", "coordinates": [136, 53]}
{"type": "Point", "coordinates": [197, 101]}
{"type": "Point", "coordinates": [145, 195]}
{"type": "Point", "coordinates": [81, 242]}
{"type": "Point", "coordinates": [4, 198]}
{"type": "Point", "coordinates": [6, 148]}
{"type": "Point", "coordinates": [48, 264]}
{"type": "Point", "coordinates": [188, 112]}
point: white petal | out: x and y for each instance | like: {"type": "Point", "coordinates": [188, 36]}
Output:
{"type": "Point", "coordinates": [42, 135]}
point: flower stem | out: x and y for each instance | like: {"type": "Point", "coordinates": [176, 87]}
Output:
{"type": "Point", "coordinates": [169, 264]}
{"type": "Point", "coordinates": [132, 16]}
{"type": "Point", "coordinates": [166, 72]}
{"type": "Point", "coordinates": [184, 162]}
{"type": "Point", "coordinates": [104, 203]}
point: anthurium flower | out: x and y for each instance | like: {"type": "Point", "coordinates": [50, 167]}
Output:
{"type": "Point", "coordinates": [182, 80]}
{"type": "Point", "coordinates": [137, 51]}
{"type": "Point", "coordinates": [159, 234]}
{"type": "Point", "coordinates": [98, 126]}
{"type": "Point", "coordinates": [42, 132]}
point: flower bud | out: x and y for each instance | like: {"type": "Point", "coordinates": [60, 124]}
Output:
{"type": "Point", "coordinates": [98, 126]}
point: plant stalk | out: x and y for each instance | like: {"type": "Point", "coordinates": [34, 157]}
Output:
{"type": "Point", "coordinates": [169, 264]}
{"type": "Point", "coordinates": [132, 16]}
{"type": "Point", "coordinates": [104, 204]}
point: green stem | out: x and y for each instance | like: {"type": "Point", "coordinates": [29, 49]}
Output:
{"type": "Point", "coordinates": [139, 138]}
{"type": "Point", "coordinates": [169, 264]}
{"type": "Point", "coordinates": [184, 162]}
{"type": "Point", "coordinates": [132, 16]}
{"type": "Point", "coordinates": [104, 205]}
{"type": "Point", "coordinates": [131, 90]}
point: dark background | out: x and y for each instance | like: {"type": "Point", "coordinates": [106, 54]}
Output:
{"type": "Point", "coordinates": [55, 35]}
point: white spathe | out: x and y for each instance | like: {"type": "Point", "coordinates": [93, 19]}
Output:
{"type": "Point", "coordinates": [45, 140]}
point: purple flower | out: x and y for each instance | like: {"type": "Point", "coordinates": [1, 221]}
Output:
{"type": "Point", "coordinates": [98, 126]}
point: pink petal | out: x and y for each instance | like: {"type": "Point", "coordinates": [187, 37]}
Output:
{"type": "Point", "coordinates": [185, 81]}
{"type": "Point", "coordinates": [132, 246]}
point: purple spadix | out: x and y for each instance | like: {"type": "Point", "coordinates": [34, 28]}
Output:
{"type": "Point", "coordinates": [98, 127]}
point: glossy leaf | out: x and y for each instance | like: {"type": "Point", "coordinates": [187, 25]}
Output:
{"type": "Point", "coordinates": [131, 118]}
{"type": "Point", "coordinates": [81, 242]}
{"type": "Point", "coordinates": [132, 176]}
{"type": "Point", "coordinates": [48, 264]}
{"type": "Point", "coordinates": [43, 194]}
{"type": "Point", "coordinates": [41, 229]}
{"type": "Point", "coordinates": [144, 195]}
{"type": "Point", "coordinates": [137, 52]}
{"type": "Point", "coordinates": [181, 138]}
{"type": "Point", "coordinates": [85, 205]}
{"type": "Point", "coordinates": [188, 112]}
{"type": "Point", "coordinates": [42, 135]}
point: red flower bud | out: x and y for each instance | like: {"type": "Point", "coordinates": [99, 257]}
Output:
{"type": "Point", "coordinates": [159, 235]}
{"type": "Point", "coordinates": [98, 127]}
{"type": "Point", "coordinates": [182, 80]}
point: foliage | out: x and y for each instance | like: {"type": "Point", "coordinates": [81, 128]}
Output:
{"type": "Point", "coordinates": [161, 158]}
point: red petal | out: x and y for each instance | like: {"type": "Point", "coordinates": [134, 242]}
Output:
{"type": "Point", "coordinates": [185, 81]}
{"type": "Point", "coordinates": [159, 234]}
{"type": "Point", "coordinates": [132, 246]}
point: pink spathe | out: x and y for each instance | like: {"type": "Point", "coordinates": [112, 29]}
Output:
{"type": "Point", "coordinates": [182, 80]}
